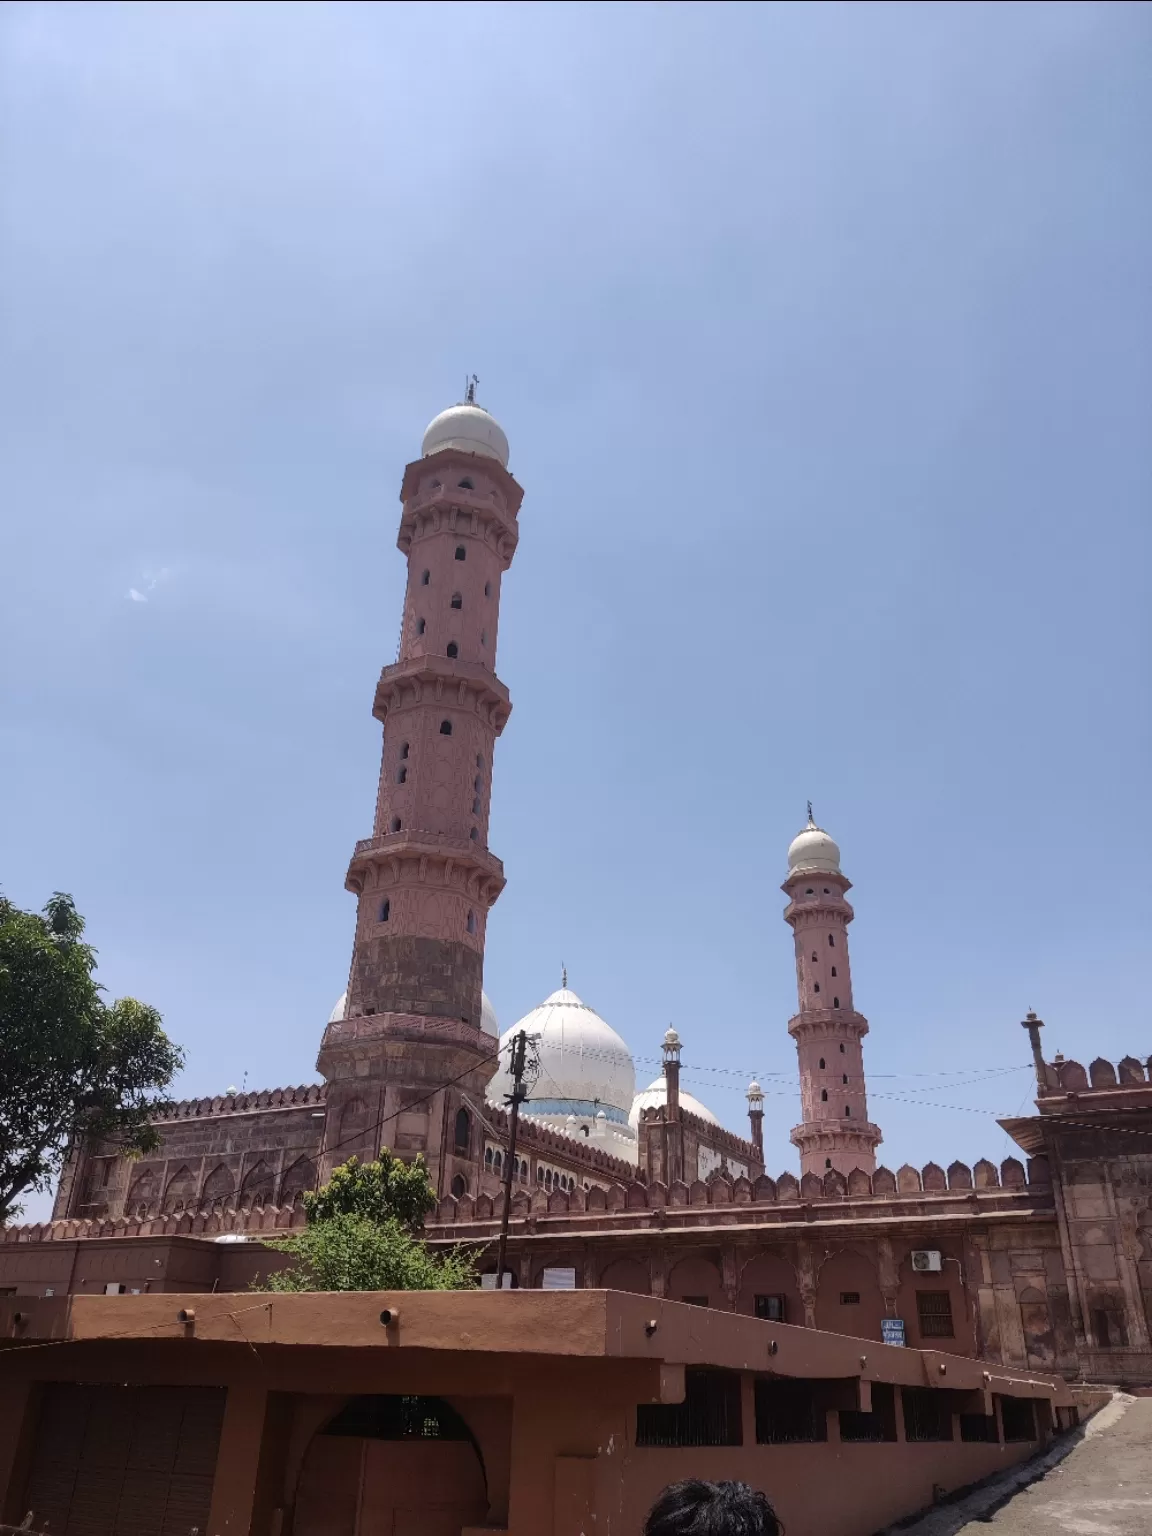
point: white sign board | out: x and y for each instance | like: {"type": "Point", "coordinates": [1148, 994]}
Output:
{"type": "Point", "coordinates": [559, 1280]}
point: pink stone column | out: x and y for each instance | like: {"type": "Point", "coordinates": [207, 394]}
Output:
{"type": "Point", "coordinates": [834, 1130]}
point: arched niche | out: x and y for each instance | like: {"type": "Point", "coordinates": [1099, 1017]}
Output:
{"type": "Point", "coordinates": [848, 1298]}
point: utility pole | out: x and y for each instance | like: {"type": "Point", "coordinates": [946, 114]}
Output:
{"type": "Point", "coordinates": [513, 1100]}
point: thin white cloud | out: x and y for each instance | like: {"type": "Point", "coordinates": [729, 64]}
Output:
{"type": "Point", "coordinates": [152, 579]}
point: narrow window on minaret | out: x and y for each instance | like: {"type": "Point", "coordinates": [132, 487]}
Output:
{"type": "Point", "coordinates": [845, 1077]}
{"type": "Point", "coordinates": [477, 783]}
{"type": "Point", "coordinates": [385, 910]}
{"type": "Point", "coordinates": [833, 970]}
{"type": "Point", "coordinates": [464, 485]}
{"type": "Point", "coordinates": [487, 589]}
{"type": "Point", "coordinates": [821, 1063]}
{"type": "Point", "coordinates": [425, 578]}
{"type": "Point", "coordinates": [841, 1050]}
{"type": "Point", "coordinates": [474, 835]}
{"type": "Point", "coordinates": [823, 1095]}
{"type": "Point", "coordinates": [461, 552]}
{"type": "Point", "coordinates": [483, 637]}
{"type": "Point", "coordinates": [453, 650]}
{"type": "Point", "coordinates": [457, 600]}
{"type": "Point", "coordinates": [395, 823]}
{"type": "Point", "coordinates": [445, 727]}
{"type": "Point", "coordinates": [816, 987]}
{"type": "Point", "coordinates": [831, 941]}
{"type": "Point", "coordinates": [835, 1002]}
{"type": "Point", "coordinates": [403, 749]}
{"type": "Point", "coordinates": [420, 626]}
{"type": "Point", "coordinates": [814, 954]}
{"type": "Point", "coordinates": [402, 776]}
{"type": "Point", "coordinates": [476, 806]}
{"type": "Point", "coordinates": [827, 1162]}
{"type": "Point", "coordinates": [847, 1109]}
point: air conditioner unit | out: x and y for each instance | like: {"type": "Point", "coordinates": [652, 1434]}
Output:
{"type": "Point", "coordinates": [926, 1261]}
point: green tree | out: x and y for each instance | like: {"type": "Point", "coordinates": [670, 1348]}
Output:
{"type": "Point", "coordinates": [71, 1064]}
{"type": "Point", "coordinates": [350, 1252]}
{"type": "Point", "coordinates": [387, 1190]}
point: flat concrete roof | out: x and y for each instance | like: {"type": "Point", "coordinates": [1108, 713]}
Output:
{"type": "Point", "coordinates": [587, 1324]}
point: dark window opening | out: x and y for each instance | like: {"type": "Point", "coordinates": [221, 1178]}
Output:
{"type": "Point", "coordinates": [823, 1095]}
{"type": "Point", "coordinates": [471, 923]}
{"type": "Point", "coordinates": [425, 578]}
{"type": "Point", "coordinates": [1108, 1329]}
{"type": "Point", "coordinates": [879, 1425]}
{"type": "Point", "coordinates": [487, 589]}
{"type": "Point", "coordinates": [396, 823]}
{"type": "Point", "coordinates": [404, 749]}
{"type": "Point", "coordinates": [453, 650]}
{"type": "Point", "coordinates": [827, 892]}
{"type": "Point", "coordinates": [385, 910]}
{"type": "Point", "coordinates": [934, 1314]}
{"type": "Point", "coordinates": [476, 806]}
{"type": "Point", "coordinates": [479, 760]}
{"type": "Point", "coordinates": [841, 1050]}
{"type": "Point", "coordinates": [831, 941]}
{"type": "Point", "coordinates": [402, 776]}
{"type": "Point", "coordinates": [845, 1077]}
{"type": "Point", "coordinates": [835, 1002]}
{"type": "Point", "coordinates": [709, 1414]}
{"type": "Point", "coordinates": [459, 1186]}
{"type": "Point", "coordinates": [462, 1131]}
{"type": "Point", "coordinates": [821, 1063]}
{"type": "Point", "coordinates": [816, 988]}
{"type": "Point", "coordinates": [461, 552]}
{"type": "Point", "coordinates": [788, 1413]}
{"type": "Point", "coordinates": [978, 1427]}
{"type": "Point", "coordinates": [809, 891]}
{"type": "Point", "coordinates": [833, 970]}
{"type": "Point", "coordinates": [827, 1162]}
{"type": "Point", "coordinates": [474, 835]}
{"type": "Point", "coordinates": [847, 1109]}
{"type": "Point", "coordinates": [445, 727]}
{"type": "Point", "coordinates": [927, 1414]}
{"type": "Point", "coordinates": [849, 1298]}
{"type": "Point", "coordinates": [814, 955]}
{"type": "Point", "coordinates": [457, 600]}
{"type": "Point", "coordinates": [1018, 1418]}
{"type": "Point", "coordinates": [420, 626]}
{"type": "Point", "coordinates": [399, 1418]}
{"type": "Point", "coordinates": [465, 484]}
{"type": "Point", "coordinates": [771, 1308]}
{"type": "Point", "coordinates": [477, 783]}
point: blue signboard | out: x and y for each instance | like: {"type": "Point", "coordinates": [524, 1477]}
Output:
{"type": "Point", "coordinates": [892, 1330]}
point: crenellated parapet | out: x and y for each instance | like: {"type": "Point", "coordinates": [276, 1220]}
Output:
{"type": "Point", "coordinates": [243, 1103]}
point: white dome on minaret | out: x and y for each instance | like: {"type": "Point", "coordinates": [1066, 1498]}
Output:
{"type": "Point", "coordinates": [467, 427]}
{"type": "Point", "coordinates": [813, 851]}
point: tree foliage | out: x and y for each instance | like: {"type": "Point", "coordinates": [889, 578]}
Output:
{"type": "Point", "coordinates": [351, 1252]}
{"type": "Point", "coordinates": [71, 1064]}
{"type": "Point", "coordinates": [387, 1190]}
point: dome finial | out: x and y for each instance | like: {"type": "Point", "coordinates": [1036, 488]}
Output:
{"type": "Point", "coordinates": [811, 823]}
{"type": "Point", "coordinates": [470, 384]}
{"type": "Point", "coordinates": [563, 975]}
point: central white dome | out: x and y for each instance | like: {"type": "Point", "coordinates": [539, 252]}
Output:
{"type": "Point", "coordinates": [469, 428]}
{"type": "Point", "coordinates": [585, 1067]}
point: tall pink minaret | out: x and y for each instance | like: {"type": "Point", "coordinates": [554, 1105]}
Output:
{"type": "Point", "coordinates": [425, 879]}
{"type": "Point", "coordinates": [835, 1131]}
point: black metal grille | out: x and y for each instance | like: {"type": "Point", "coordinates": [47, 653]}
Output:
{"type": "Point", "coordinates": [709, 1414]}
{"type": "Point", "coordinates": [927, 1414]}
{"type": "Point", "coordinates": [934, 1312]}
{"type": "Point", "coordinates": [878, 1425]}
{"type": "Point", "coordinates": [980, 1427]}
{"type": "Point", "coordinates": [1018, 1418]}
{"type": "Point", "coordinates": [788, 1413]}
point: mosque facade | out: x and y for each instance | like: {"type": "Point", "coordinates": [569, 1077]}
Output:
{"type": "Point", "coordinates": [1044, 1260]}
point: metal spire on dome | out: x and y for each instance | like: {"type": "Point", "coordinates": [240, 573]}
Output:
{"type": "Point", "coordinates": [811, 823]}
{"type": "Point", "coordinates": [470, 384]}
{"type": "Point", "coordinates": [563, 975]}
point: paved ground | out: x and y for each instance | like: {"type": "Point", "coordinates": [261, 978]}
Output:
{"type": "Point", "coordinates": [1103, 1487]}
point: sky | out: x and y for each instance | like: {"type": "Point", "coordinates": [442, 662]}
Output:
{"type": "Point", "coordinates": [821, 335]}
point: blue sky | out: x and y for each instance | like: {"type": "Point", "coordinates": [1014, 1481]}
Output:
{"type": "Point", "coordinates": [821, 337]}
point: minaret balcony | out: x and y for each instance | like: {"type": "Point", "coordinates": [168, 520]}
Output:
{"type": "Point", "coordinates": [840, 1022]}
{"type": "Point", "coordinates": [836, 1135]}
{"type": "Point", "coordinates": [435, 856]}
{"type": "Point", "coordinates": [429, 679]}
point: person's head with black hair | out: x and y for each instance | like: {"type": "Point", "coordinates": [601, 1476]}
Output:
{"type": "Point", "coordinates": [696, 1508]}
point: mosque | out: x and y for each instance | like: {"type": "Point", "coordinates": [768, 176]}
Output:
{"type": "Point", "coordinates": [1044, 1261]}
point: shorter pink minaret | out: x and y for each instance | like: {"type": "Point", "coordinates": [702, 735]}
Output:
{"type": "Point", "coordinates": [835, 1132]}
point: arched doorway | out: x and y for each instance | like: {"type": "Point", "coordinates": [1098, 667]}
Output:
{"type": "Point", "coordinates": [387, 1464]}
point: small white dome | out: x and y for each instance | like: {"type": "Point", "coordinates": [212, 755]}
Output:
{"type": "Point", "coordinates": [656, 1093]}
{"type": "Point", "coordinates": [754, 1088]}
{"type": "Point", "coordinates": [585, 1067]}
{"type": "Point", "coordinates": [467, 427]}
{"type": "Point", "coordinates": [671, 1039]}
{"type": "Point", "coordinates": [488, 1021]}
{"type": "Point", "coordinates": [813, 850]}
